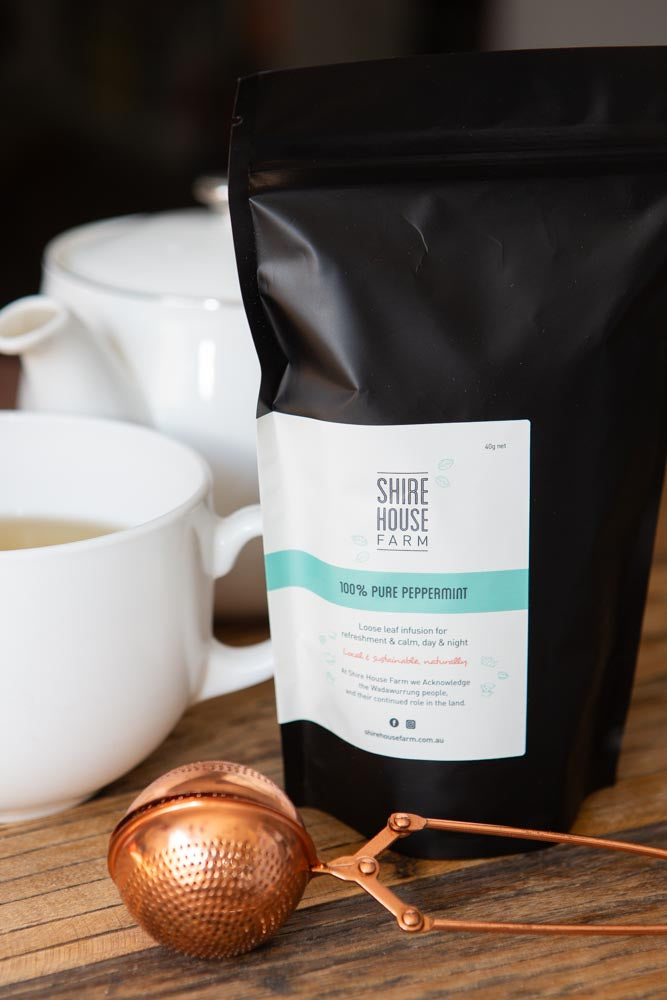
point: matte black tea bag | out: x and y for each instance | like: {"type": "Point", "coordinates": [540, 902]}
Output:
{"type": "Point", "coordinates": [455, 273]}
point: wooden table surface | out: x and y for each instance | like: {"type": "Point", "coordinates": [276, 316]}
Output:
{"type": "Point", "coordinates": [64, 932]}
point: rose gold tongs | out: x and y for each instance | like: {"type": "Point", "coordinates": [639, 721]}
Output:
{"type": "Point", "coordinates": [213, 857]}
{"type": "Point", "coordinates": [363, 868]}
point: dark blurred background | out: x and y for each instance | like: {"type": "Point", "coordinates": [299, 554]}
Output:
{"type": "Point", "coordinates": [116, 106]}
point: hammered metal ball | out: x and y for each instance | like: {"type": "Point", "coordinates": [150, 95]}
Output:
{"type": "Point", "coordinates": [213, 874]}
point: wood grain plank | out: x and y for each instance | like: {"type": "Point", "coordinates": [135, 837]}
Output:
{"type": "Point", "coordinates": [354, 950]}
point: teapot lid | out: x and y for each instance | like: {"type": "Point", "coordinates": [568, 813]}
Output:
{"type": "Point", "coordinates": [187, 253]}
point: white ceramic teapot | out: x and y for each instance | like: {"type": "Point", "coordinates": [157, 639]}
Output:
{"type": "Point", "coordinates": [141, 319]}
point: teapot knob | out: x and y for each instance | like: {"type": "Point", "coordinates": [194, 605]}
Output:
{"type": "Point", "coordinates": [212, 191]}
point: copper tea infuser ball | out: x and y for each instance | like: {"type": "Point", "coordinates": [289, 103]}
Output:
{"type": "Point", "coordinates": [212, 858]}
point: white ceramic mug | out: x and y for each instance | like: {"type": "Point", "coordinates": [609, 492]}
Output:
{"type": "Point", "coordinates": [105, 642]}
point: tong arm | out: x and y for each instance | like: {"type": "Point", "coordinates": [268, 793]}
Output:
{"type": "Point", "coordinates": [363, 869]}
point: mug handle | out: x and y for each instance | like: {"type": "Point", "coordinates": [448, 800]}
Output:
{"type": "Point", "coordinates": [230, 668]}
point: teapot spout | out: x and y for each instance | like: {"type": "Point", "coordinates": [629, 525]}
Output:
{"type": "Point", "coordinates": [65, 369]}
{"type": "Point", "coordinates": [28, 322]}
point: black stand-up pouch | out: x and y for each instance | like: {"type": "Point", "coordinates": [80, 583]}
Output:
{"type": "Point", "coordinates": [455, 273]}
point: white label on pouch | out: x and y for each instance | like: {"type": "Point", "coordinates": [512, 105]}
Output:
{"type": "Point", "coordinates": [397, 572]}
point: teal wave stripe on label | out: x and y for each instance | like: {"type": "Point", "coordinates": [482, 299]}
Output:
{"type": "Point", "coordinates": [368, 590]}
